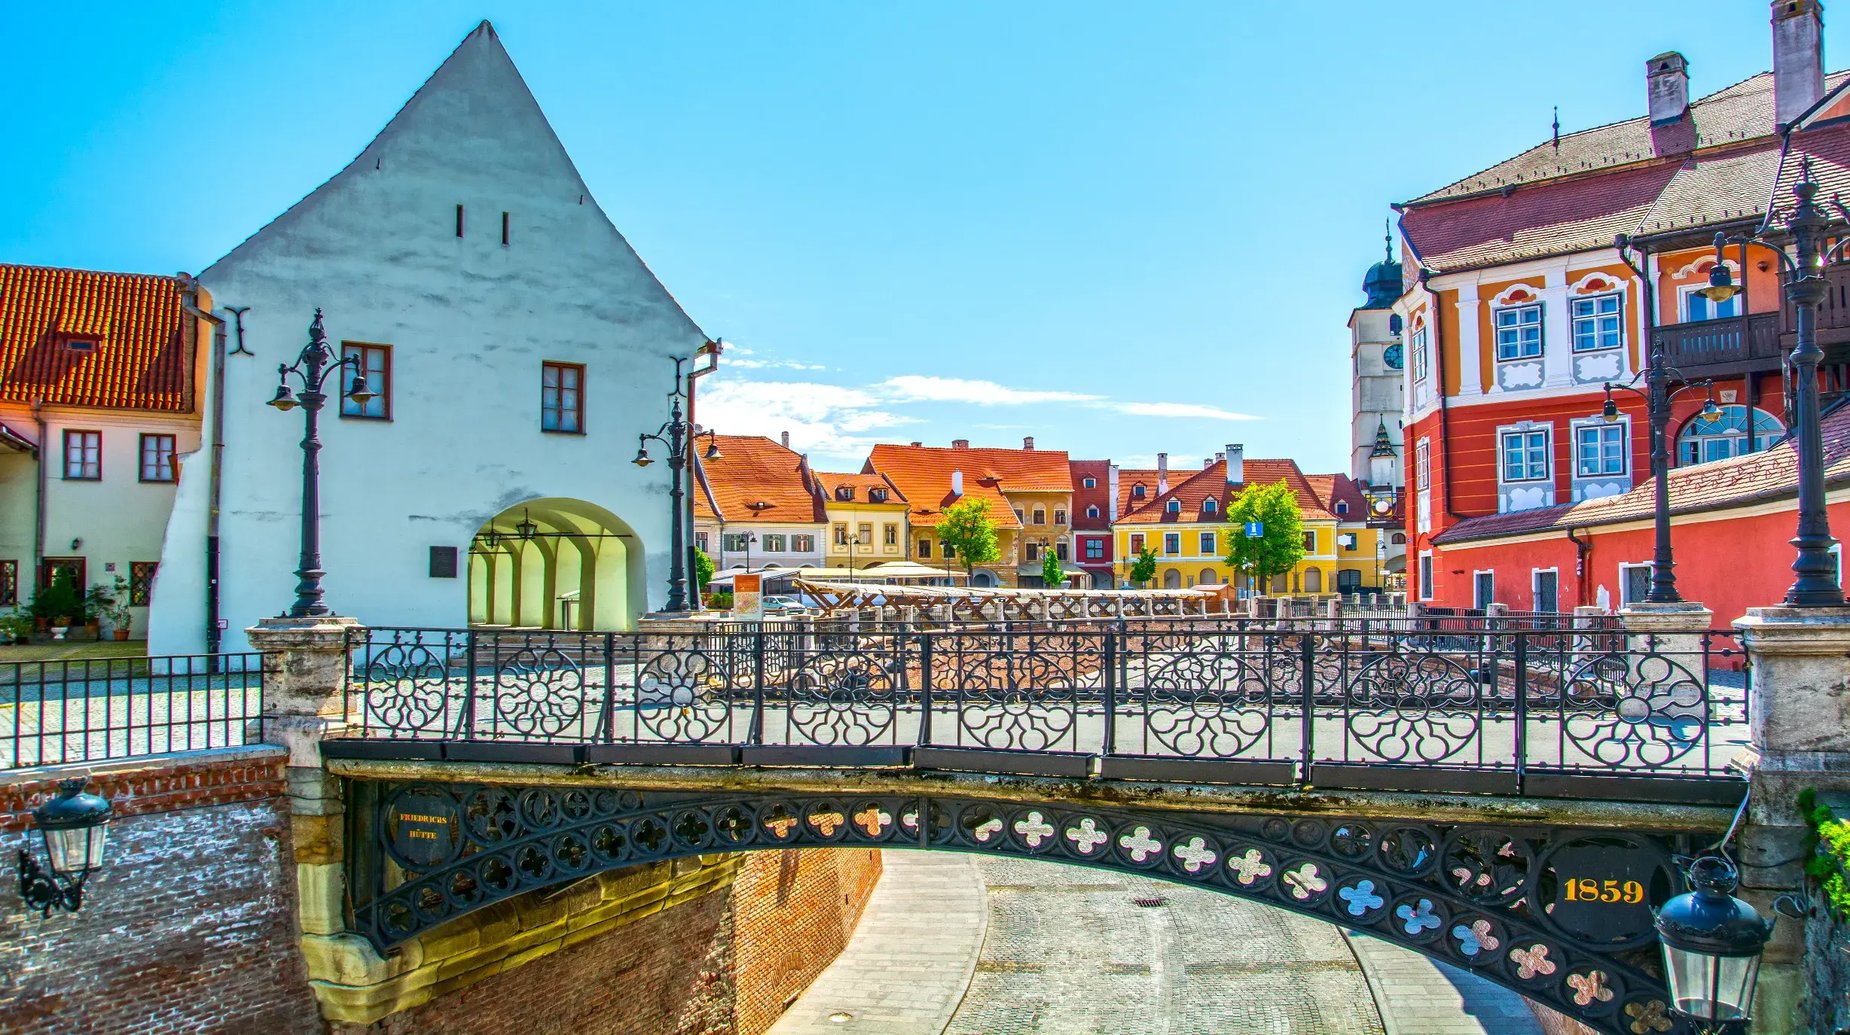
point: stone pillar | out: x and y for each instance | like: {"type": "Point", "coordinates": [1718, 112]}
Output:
{"type": "Point", "coordinates": [1671, 629]}
{"type": "Point", "coordinates": [304, 701]}
{"type": "Point", "coordinates": [1798, 739]}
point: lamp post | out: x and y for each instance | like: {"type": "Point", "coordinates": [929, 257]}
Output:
{"type": "Point", "coordinates": [711, 350]}
{"type": "Point", "coordinates": [312, 369]}
{"type": "Point", "coordinates": [1659, 376]}
{"type": "Point", "coordinates": [72, 830]}
{"type": "Point", "coordinates": [750, 538]}
{"type": "Point", "coordinates": [1815, 584]}
{"type": "Point", "coordinates": [1712, 943]}
{"type": "Point", "coordinates": [674, 435]}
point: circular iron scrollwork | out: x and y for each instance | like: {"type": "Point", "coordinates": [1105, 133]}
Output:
{"type": "Point", "coordinates": [1628, 711]}
{"type": "Point", "coordinates": [539, 693]}
{"type": "Point", "coordinates": [405, 687]}
{"type": "Point", "coordinates": [676, 699]}
{"type": "Point", "coordinates": [1413, 708]}
{"type": "Point", "coordinates": [843, 699]}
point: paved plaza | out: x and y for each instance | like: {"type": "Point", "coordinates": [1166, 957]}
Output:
{"type": "Point", "coordinates": [962, 945]}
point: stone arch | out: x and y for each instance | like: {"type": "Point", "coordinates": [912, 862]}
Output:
{"type": "Point", "coordinates": [581, 570]}
{"type": "Point", "coordinates": [1172, 578]}
{"type": "Point", "coordinates": [1313, 580]}
{"type": "Point", "coordinates": [983, 577]}
{"type": "Point", "coordinates": [1454, 893]}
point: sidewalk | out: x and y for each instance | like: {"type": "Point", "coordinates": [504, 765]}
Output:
{"type": "Point", "coordinates": [911, 957]}
{"type": "Point", "coordinates": [1420, 996]}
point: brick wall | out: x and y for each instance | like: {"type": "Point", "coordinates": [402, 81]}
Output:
{"type": "Point", "coordinates": [189, 927]}
{"type": "Point", "coordinates": [794, 910]}
{"type": "Point", "coordinates": [725, 963]}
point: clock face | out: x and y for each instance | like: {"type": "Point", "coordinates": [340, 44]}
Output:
{"type": "Point", "coordinates": [1392, 357]}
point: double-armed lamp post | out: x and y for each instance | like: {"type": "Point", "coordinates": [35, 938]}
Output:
{"type": "Point", "coordinates": [1808, 226]}
{"type": "Point", "coordinates": [675, 435]}
{"type": "Point", "coordinates": [312, 369]}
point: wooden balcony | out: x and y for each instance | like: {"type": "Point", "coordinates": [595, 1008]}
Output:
{"type": "Point", "coordinates": [1726, 347]}
{"type": "Point", "coordinates": [1833, 316]}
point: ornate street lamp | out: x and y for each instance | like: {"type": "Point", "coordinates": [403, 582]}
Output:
{"type": "Point", "coordinates": [72, 830]}
{"type": "Point", "coordinates": [1658, 393]}
{"type": "Point", "coordinates": [525, 528]}
{"type": "Point", "coordinates": [1712, 944]}
{"type": "Point", "coordinates": [675, 435]}
{"type": "Point", "coordinates": [1815, 569]}
{"type": "Point", "coordinates": [312, 370]}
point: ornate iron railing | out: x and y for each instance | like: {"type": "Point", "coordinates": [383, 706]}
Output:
{"type": "Point", "coordinates": [91, 709]}
{"type": "Point", "coordinates": [1412, 704]}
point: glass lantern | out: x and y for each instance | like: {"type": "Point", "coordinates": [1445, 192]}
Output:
{"type": "Point", "coordinates": [74, 826]}
{"type": "Point", "coordinates": [1712, 944]}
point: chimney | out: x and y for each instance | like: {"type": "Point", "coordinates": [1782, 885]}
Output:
{"type": "Point", "coordinates": [917, 445]}
{"type": "Point", "coordinates": [1798, 57]}
{"type": "Point", "coordinates": [1027, 442]}
{"type": "Point", "coordinates": [1236, 464]}
{"type": "Point", "coordinates": [957, 483]}
{"type": "Point", "coordinates": [1666, 87]}
{"type": "Point", "coordinates": [786, 438]}
{"type": "Point", "coordinates": [1207, 462]}
{"type": "Point", "coordinates": [960, 443]}
{"type": "Point", "coordinates": [1162, 473]}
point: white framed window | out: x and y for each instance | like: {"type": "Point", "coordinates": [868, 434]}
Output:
{"type": "Point", "coordinates": [1422, 463]}
{"type": "Point", "coordinates": [1483, 588]}
{"type": "Point", "coordinates": [1519, 331]}
{"type": "Point", "coordinates": [1092, 512]}
{"type": "Point", "coordinates": [1341, 507]}
{"type": "Point", "coordinates": [1172, 543]}
{"type": "Point", "coordinates": [1174, 506]}
{"type": "Point", "coordinates": [774, 543]}
{"type": "Point", "coordinates": [1417, 344]}
{"type": "Point", "coordinates": [1601, 449]}
{"type": "Point", "coordinates": [1696, 306]}
{"type": "Point", "coordinates": [1597, 322]}
{"type": "Point", "coordinates": [1089, 483]}
{"type": "Point", "coordinates": [1701, 441]}
{"type": "Point", "coordinates": [1425, 575]}
{"type": "Point", "coordinates": [1545, 588]}
{"type": "Point", "coordinates": [1208, 545]}
{"type": "Point", "coordinates": [1524, 455]}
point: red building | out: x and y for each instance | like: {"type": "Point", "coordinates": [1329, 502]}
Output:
{"type": "Point", "coordinates": [1519, 310]}
{"type": "Point", "coordinates": [1094, 508]}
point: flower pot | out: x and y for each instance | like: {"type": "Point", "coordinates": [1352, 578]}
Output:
{"type": "Point", "coordinates": [119, 634]}
{"type": "Point", "coordinates": [58, 631]}
{"type": "Point", "coordinates": [94, 628]}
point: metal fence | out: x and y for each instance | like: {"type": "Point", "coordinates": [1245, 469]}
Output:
{"type": "Point", "coordinates": [1384, 705]}
{"type": "Point", "coordinates": [88, 710]}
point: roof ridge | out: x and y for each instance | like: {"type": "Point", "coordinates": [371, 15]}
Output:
{"type": "Point", "coordinates": [84, 269]}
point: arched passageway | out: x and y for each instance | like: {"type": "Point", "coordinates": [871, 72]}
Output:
{"type": "Point", "coordinates": [553, 563]}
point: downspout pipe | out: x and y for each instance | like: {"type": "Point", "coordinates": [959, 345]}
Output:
{"type": "Point", "coordinates": [38, 503]}
{"type": "Point", "coordinates": [215, 458]}
{"type": "Point", "coordinates": [1582, 547]}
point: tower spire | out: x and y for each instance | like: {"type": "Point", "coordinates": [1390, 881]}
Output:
{"type": "Point", "coordinates": [1557, 139]}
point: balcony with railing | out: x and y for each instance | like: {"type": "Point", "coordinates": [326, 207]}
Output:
{"type": "Point", "coordinates": [1720, 348]}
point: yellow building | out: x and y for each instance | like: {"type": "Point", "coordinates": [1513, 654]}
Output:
{"type": "Point", "coordinates": [1186, 524]}
{"type": "Point", "coordinates": [1029, 492]}
{"type": "Point", "coordinates": [867, 520]}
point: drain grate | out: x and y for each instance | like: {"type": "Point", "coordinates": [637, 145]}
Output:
{"type": "Point", "coordinates": [1150, 901]}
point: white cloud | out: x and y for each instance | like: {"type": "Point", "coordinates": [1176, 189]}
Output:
{"type": "Point", "coordinates": [924, 388]}
{"type": "Point", "coordinates": [825, 419]}
{"type": "Point", "coordinates": [771, 364]}
{"type": "Point", "coordinates": [1177, 409]}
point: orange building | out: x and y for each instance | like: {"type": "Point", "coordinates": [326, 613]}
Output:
{"type": "Point", "coordinates": [1518, 310]}
{"type": "Point", "coordinates": [758, 505]}
{"type": "Point", "coordinates": [1029, 491]}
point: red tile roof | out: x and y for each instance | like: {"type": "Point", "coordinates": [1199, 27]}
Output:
{"type": "Point", "coordinates": [923, 475]}
{"type": "Point", "coordinates": [1195, 488]}
{"type": "Point", "coordinates": [755, 479]}
{"type": "Point", "coordinates": [141, 359]}
{"type": "Point", "coordinates": [860, 483]}
{"type": "Point", "coordinates": [1128, 480]}
{"type": "Point", "coordinates": [1718, 485]}
{"type": "Point", "coordinates": [1332, 489]}
{"type": "Point", "coordinates": [1717, 167]}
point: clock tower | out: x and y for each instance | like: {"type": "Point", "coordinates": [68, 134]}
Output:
{"type": "Point", "coordinates": [1377, 388]}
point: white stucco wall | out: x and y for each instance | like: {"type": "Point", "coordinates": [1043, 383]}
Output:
{"type": "Point", "coordinates": [469, 321]}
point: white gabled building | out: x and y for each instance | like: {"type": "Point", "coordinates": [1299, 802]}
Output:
{"type": "Point", "coordinates": [519, 345]}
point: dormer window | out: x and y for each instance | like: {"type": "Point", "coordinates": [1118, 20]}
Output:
{"type": "Point", "coordinates": [876, 496]}
{"type": "Point", "coordinates": [1341, 507]}
{"type": "Point", "coordinates": [1208, 505]}
{"type": "Point", "coordinates": [1174, 507]}
{"type": "Point", "coordinates": [80, 344]}
{"type": "Point", "coordinates": [1137, 491]}
{"type": "Point", "coordinates": [844, 492]}
{"type": "Point", "coordinates": [1090, 483]}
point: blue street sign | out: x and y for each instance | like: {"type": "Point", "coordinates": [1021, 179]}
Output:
{"type": "Point", "coordinates": [1255, 529]}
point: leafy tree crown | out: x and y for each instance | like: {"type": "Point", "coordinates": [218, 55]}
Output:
{"type": "Point", "coordinates": [1280, 546]}
{"type": "Point", "coordinates": [967, 529]}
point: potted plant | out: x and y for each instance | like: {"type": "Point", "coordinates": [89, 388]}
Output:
{"type": "Point", "coordinates": [59, 604]}
{"type": "Point", "coordinates": [95, 604]}
{"type": "Point", "coordinates": [117, 610]}
{"type": "Point", "coordinates": [16, 626]}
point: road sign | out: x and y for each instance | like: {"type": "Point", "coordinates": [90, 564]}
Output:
{"type": "Point", "coordinates": [1255, 529]}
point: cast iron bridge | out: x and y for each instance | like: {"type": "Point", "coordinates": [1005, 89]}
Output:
{"type": "Point", "coordinates": [1395, 777]}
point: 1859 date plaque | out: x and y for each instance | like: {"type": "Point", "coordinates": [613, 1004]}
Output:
{"type": "Point", "coordinates": [1605, 889]}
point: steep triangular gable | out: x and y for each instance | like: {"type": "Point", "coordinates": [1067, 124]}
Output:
{"type": "Point", "coordinates": [472, 131]}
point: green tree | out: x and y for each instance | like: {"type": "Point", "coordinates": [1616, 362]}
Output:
{"type": "Point", "coordinates": [967, 531]}
{"type": "Point", "coordinates": [1280, 547]}
{"type": "Point", "coordinates": [1143, 569]}
{"type": "Point", "coordinates": [703, 569]}
{"type": "Point", "coordinates": [1053, 573]}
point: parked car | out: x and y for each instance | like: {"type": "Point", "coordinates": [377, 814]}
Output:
{"type": "Point", "coordinates": [782, 605]}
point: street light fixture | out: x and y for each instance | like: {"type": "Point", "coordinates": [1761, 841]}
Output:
{"type": "Point", "coordinates": [674, 435]}
{"type": "Point", "coordinates": [1815, 570]}
{"type": "Point", "coordinates": [1658, 393]}
{"type": "Point", "coordinates": [1712, 943]}
{"type": "Point", "coordinates": [72, 830]}
{"type": "Point", "coordinates": [312, 369]}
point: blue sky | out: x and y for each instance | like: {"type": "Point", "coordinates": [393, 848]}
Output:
{"type": "Point", "coordinates": [1119, 228]}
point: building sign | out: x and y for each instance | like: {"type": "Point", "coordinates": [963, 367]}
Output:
{"type": "Point", "coordinates": [422, 826]}
{"type": "Point", "coordinates": [748, 596]}
{"type": "Point", "coordinates": [1255, 530]}
{"type": "Point", "coordinates": [1604, 890]}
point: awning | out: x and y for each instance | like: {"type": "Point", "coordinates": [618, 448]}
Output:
{"type": "Point", "coordinates": [18, 443]}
